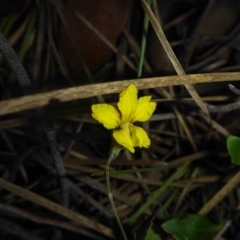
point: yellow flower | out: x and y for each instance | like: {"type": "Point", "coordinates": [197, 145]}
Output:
{"type": "Point", "coordinates": [131, 110]}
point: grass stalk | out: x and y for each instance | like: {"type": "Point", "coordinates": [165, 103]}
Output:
{"type": "Point", "coordinates": [157, 193]}
{"type": "Point", "coordinates": [144, 41]}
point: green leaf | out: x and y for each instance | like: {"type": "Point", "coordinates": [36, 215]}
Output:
{"type": "Point", "coordinates": [192, 227]}
{"type": "Point", "coordinates": [233, 146]}
{"type": "Point", "coordinates": [151, 235]}
{"type": "Point", "coordinates": [142, 229]}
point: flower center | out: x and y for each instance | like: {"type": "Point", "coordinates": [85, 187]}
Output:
{"type": "Point", "coordinates": [125, 126]}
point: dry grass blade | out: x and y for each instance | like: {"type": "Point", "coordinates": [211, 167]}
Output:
{"type": "Point", "coordinates": [179, 19]}
{"type": "Point", "coordinates": [187, 188]}
{"type": "Point", "coordinates": [222, 193]}
{"type": "Point", "coordinates": [69, 94]}
{"type": "Point", "coordinates": [177, 66]}
{"type": "Point", "coordinates": [104, 40]}
{"type": "Point", "coordinates": [53, 44]}
{"type": "Point", "coordinates": [58, 6]}
{"type": "Point", "coordinates": [40, 42]}
{"type": "Point", "coordinates": [23, 214]}
{"type": "Point", "coordinates": [18, 34]}
{"type": "Point", "coordinates": [217, 126]}
{"type": "Point", "coordinates": [185, 169]}
{"type": "Point", "coordinates": [235, 90]}
{"type": "Point", "coordinates": [195, 38]}
{"type": "Point", "coordinates": [134, 45]}
{"type": "Point", "coordinates": [102, 188]}
{"type": "Point", "coordinates": [37, 199]}
{"type": "Point", "coordinates": [185, 128]}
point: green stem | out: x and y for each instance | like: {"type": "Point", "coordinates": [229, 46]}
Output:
{"type": "Point", "coordinates": [144, 41]}
{"type": "Point", "coordinates": [157, 193]}
{"type": "Point", "coordinates": [113, 154]}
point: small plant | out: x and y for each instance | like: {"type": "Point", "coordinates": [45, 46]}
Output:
{"type": "Point", "coordinates": [233, 146]}
{"type": "Point", "coordinates": [125, 134]}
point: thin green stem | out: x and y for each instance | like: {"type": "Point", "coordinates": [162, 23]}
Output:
{"type": "Point", "coordinates": [144, 41]}
{"type": "Point", "coordinates": [157, 193]}
{"type": "Point", "coordinates": [113, 154]}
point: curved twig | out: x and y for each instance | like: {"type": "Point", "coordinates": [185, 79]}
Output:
{"type": "Point", "coordinates": [234, 89]}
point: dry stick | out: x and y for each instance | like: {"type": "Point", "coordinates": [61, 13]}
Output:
{"type": "Point", "coordinates": [228, 107]}
{"type": "Point", "coordinates": [221, 50]}
{"type": "Point", "coordinates": [15, 230]}
{"type": "Point", "coordinates": [228, 187]}
{"type": "Point", "coordinates": [26, 86]}
{"type": "Point", "coordinates": [104, 40]}
{"type": "Point", "coordinates": [223, 108]}
{"type": "Point", "coordinates": [58, 161]}
{"type": "Point", "coordinates": [222, 193]}
{"type": "Point", "coordinates": [90, 200]}
{"type": "Point", "coordinates": [21, 158]}
{"type": "Point", "coordinates": [178, 19]}
{"type": "Point", "coordinates": [59, 6]}
{"type": "Point", "coordinates": [68, 94]}
{"type": "Point", "coordinates": [14, 63]}
{"type": "Point", "coordinates": [74, 188]}
{"type": "Point", "coordinates": [54, 207]}
{"type": "Point", "coordinates": [23, 214]}
{"type": "Point", "coordinates": [228, 223]}
{"type": "Point", "coordinates": [234, 89]}
{"type": "Point", "coordinates": [197, 32]}
{"type": "Point", "coordinates": [72, 143]}
{"type": "Point", "coordinates": [216, 126]}
{"type": "Point", "coordinates": [177, 66]}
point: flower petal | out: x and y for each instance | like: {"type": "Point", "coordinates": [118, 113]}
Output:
{"type": "Point", "coordinates": [122, 136]}
{"type": "Point", "coordinates": [144, 109]}
{"type": "Point", "coordinates": [139, 137]}
{"type": "Point", "coordinates": [128, 102]}
{"type": "Point", "coordinates": [106, 114]}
